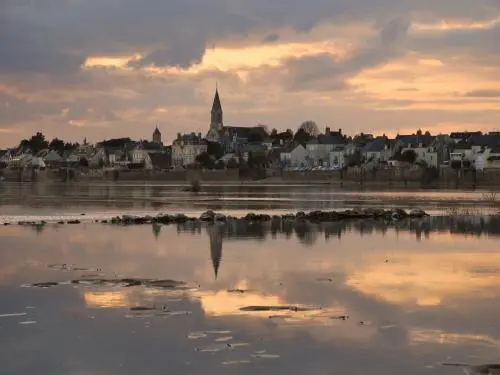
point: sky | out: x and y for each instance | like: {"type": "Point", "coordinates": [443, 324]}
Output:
{"type": "Point", "coordinates": [110, 68]}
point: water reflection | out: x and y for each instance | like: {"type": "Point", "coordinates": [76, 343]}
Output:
{"type": "Point", "coordinates": [378, 300]}
{"type": "Point", "coordinates": [18, 198]}
{"type": "Point", "coordinates": [308, 233]}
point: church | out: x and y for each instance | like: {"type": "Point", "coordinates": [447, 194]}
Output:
{"type": "Point", "coordinates": [230, 136]}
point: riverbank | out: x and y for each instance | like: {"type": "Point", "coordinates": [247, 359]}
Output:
{"type": "Point", "coordinates": [351, 179]}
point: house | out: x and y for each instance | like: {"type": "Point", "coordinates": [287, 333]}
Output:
{"type": "Point", "coordinates": [186, 148]}
{"type": "Point", "coordinates": [462, 156]}
{"type": "Point", "coordinates": [319, 148]}
{"type": "Point", "coordinates": [337, 156]}
{"type": "Point", "coordinates": [463, 136]}
{"type": "Point", "coordinates": [494, 158]}
{"type": "Point", "coordinates": [53, 159]}
{"type": "Point", "coordinates": [487, 158]}
{"type": "Point", "coordinates": [377, 150]}
{"type": "Point", "coordinates": [425, 155]}
{"type": "Point", "coordinates": [294, 155]}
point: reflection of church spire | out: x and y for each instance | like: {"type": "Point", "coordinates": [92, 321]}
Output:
{"type": "Point", "coordinates": [156, 229]}
{"type": "Point", "coordinates": [215, 233]}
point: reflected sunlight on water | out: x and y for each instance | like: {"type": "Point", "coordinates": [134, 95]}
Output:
{"type": "Point", "coordinates": [327, 298]}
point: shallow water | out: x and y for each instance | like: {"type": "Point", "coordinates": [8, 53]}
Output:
{"type": "Point", "coordinates": [358, 298]}
{"type": "Point", "coordinates": [100, 200]}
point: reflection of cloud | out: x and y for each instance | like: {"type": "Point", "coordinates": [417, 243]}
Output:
{"type": "Point", "coordinates": [100, 300]}
{"type": "Point", "coordinates": [426, 278]}
{"type": "Point", "coordinates": [450, 338]}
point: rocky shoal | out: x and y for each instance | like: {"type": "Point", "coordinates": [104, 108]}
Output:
{"type": "Point", "coordinates": [396, 214]}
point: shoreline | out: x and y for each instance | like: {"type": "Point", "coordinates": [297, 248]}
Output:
{"type": "Point", "coordinates": [318, 216]}
{"type": "Point", "coordinates": [348, 185]}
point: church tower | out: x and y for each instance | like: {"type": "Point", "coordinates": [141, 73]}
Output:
{"type": "Point", "coordinates": [216, 122]}
{"type": "Point", "coordinates": [157, 136]}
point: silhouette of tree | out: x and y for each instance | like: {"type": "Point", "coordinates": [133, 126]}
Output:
{"type": "Point", "coordinates": [302, 137]}
{"type": "Point", "coordinates": [205, 160]}
{"type": "Point", "coordinates": [38, 143]}
{"type": "Point", "coordinates": [310, 127]}
{"type": "Point", "coordinates": [409, 156]}
{"type": "Point", "coordinates": [215, 149]}
{"type": "Point", "coordinates": [84, 162]}
{"type": "Point", "coordinates": [57, 145]}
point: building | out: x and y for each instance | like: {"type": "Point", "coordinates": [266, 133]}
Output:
{"type": "Point", "coordinates": [377, 151]}
{"type": "Point", "coordinates": [186, 148]}
{"type": "Point", "coordinates": [216, 120]}
{"type": "Point", "coordinates": [318, 149]}
{"type": "Point", "coordinates": [157, 137]}
{"type": "Point", "coordinates": [294, 155]}
{"type": "Point", "coordinates": [233, 138]}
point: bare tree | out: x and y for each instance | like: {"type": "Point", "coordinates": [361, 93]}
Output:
{"type": "Point", "coordinates": [310, 127]}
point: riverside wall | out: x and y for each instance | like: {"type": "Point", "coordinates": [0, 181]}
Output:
{"type": "Point", "coordinates": [396, 178]}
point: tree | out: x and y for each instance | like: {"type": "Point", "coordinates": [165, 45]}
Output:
{"type": "Point", "coordinates": [310, 127]}
{"type": "Point", "coordinates": [24, 143]}
{"type": "Point", "coordinates": [409, 156]}
{"type": "Point", "coordinates": [274, 133]}
{"type": "Point", "coordinates": [57, 145]}
{"type": "Point", "coordinates": [205, 160]}
{"type": "Point", "coordinates": [38, 142]}
{"type": "Point", "coordinates": [83, 162]}
{"type": "Point", "coordinates": [70, 146]}
{"type": "Point", "coordinates": [215, 149]}
{"type": "Point", "coordinates": [302, 137]}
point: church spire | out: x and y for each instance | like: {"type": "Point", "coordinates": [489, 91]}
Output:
{"type": "Point", "coordinates": [216, 114]}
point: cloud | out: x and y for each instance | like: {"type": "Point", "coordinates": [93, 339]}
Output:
{"type": "Point", "coordinates": [159, 60]}
{"type": "Point", "coordinates": [485, 93]}
{"type": "Point", "coordinates": [270, 38]}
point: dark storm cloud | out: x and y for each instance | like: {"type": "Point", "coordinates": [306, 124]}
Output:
{"type": "Point", "coordinates": [56, 36]}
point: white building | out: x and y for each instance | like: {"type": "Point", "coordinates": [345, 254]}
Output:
{"type": "Point", "coordinates": [294, 156]}
{"type": "Point", "coordinates": [428, 155]}
{"type": "Point", "coordinates": [186, 148]}
{"type": "Point", "coordinates": [337, 157]}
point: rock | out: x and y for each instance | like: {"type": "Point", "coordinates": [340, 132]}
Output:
{"type": "Point", "coordinates": [74, 221]}
{"type": "Point", "coordinates": [180, 218]}
{"type": "Point", "coordinates": [220, 217]}
{"type": "Point", "coordinates": [418, 213]}
{"type": "Point", "coordinates": [207, 216]}
{"type": "Point", "coordinates": [300, 215]}
{"type": "Point", "coordinates": [398, 214]}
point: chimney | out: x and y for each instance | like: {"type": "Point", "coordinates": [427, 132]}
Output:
{"type": "Point", "coordinates": [327, 130]}
{"type": "Point", "coordinates": [340, 131]}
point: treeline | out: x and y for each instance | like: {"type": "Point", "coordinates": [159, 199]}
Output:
{"type": "Point", "coordinates": [38, 142]}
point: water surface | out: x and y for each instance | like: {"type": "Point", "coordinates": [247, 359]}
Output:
{"type": "Point", "coordinates": [366, 298]}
